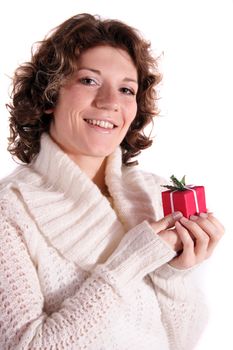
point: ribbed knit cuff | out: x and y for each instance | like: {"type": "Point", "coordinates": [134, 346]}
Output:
{"type": "Point", "coordinates": [175, 282]}
{"type": "Point", "coordinates": [167, 271]}
{"type": "Point", "coordinates": [140, 252]}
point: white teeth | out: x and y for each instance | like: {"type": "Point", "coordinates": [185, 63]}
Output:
{"type": "Point", "coordinates": [101, 123]}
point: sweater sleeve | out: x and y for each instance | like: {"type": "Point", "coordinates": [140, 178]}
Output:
{"type": "Point", "coordinates": [184, 311]}
{"type": "Point", "coordinates": [24, 324]}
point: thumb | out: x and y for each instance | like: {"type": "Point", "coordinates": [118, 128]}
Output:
{"type": "Point", "coordinates": [167, 222]}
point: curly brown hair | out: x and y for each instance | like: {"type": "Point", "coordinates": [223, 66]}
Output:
{"type": "Point", "coordinates": [36, 83]}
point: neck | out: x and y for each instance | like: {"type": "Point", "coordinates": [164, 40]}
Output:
{"type": "Point", "coordinates": [94, 168]}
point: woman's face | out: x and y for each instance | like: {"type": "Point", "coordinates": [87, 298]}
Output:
{"type": "Point", "coordinates": [97, 105]}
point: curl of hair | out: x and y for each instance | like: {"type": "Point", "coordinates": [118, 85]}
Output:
{"type": "Point", "coordinates": [36, 83]}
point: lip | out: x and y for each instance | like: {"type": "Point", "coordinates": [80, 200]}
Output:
{"type": "Point", "coordinates": [104, 120]}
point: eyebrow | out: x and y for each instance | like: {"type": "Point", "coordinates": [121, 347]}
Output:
{"type": "Point", "coordinates": [99, 72]}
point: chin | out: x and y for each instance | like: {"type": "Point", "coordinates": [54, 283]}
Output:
{"type": "Point", "coordinates": [102, 153]}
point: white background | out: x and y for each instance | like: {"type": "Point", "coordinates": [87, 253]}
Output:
{"type": "Point", "coordinates": [193, 135]}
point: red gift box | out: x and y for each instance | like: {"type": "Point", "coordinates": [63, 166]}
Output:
{"type": "Point", "coordinates": [190, 200]}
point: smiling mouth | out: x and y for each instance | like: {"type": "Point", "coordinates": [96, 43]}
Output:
{"type": "Point", "coordinates": [101, 123]}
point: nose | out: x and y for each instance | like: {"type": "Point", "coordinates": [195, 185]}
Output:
{"type": "Point", "coordinates": [106, 98]}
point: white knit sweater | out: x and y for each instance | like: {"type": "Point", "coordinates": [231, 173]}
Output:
{"type": "Point", "coordinates": [77, 273]}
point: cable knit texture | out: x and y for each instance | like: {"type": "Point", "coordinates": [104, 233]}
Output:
{"type": "Point", "coordinates": [79, 272]}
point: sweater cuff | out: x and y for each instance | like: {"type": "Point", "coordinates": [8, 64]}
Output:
{"type": "Point", "coordinates": [168, 271]}
{"type": "Point", "coordinates": [140, 252]}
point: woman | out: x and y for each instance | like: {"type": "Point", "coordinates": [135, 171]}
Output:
{"type": "Point", "coordinates": [87, 262]}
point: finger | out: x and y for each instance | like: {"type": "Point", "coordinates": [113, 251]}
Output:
{"type": "Point", "coordinates": [167, 222]}
{"type": "Point", "coordinates": [187, 241]}
{"type": "Point", "coordinates": [216, 233]}
{"type": "Point", "coordinates": [187, 256]}
{"type": "Point", "coordinates": [209, 225]}
{"type": "Point", "coordinates": [206, 224]}
{"type": "Point", "coordinates": [201, 238]}
{"type": "Point", "coordinates": [215, 221]}
{"type": "Point", "coordinates": [210, 216]}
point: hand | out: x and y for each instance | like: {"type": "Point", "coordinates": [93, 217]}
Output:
{"type": "Point", "coordinates": [164, 229]}
{"type": "Point", "coordinates": [199, 237]}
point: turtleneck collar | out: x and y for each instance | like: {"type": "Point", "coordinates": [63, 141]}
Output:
{"type": "Point", "coordinates": [62, 173]}
{"type": "Point", "coordinates": [70, 210]}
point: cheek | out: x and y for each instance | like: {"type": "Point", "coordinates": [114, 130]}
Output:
{"type": "Point", "coordinates": [131, 112]}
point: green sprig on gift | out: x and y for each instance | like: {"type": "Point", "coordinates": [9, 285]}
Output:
{"type": "Point", "coordinates": [177, 185]}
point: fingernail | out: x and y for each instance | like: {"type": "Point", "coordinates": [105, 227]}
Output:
{"type": "Point", "coordinates": [203, 215]}
{"type": "Point", "coordinates": [177, 223]}
{"type": "Point", "coordinates": [193, 217]}
{"type": "Point", "coordinates": [184, 220]}
{"type": "Point", "coordinates": [177, 215]}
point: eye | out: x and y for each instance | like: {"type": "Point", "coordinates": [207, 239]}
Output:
{"type": "Point", "coordinates": [127, 91]}
{"type": "Point", "coordinates": [88, 81]}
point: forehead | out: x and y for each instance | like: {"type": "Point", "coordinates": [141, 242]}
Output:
{"type": "Point", "coordinates": [107, 56]}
